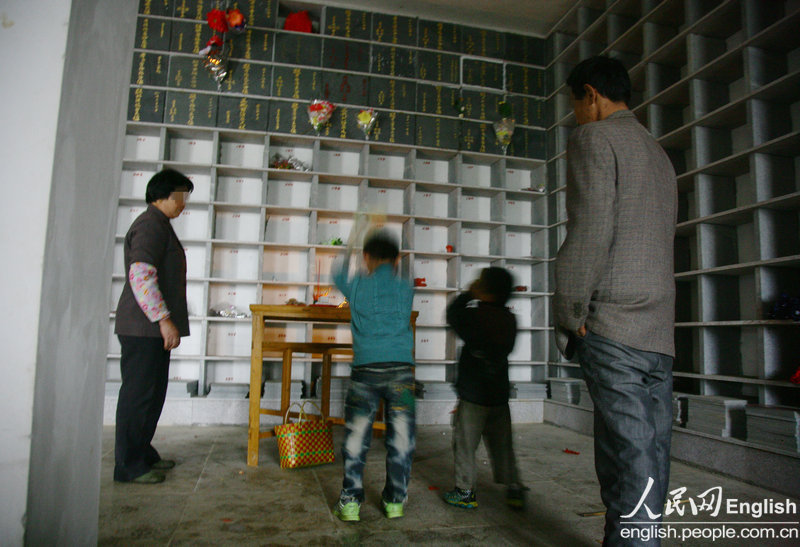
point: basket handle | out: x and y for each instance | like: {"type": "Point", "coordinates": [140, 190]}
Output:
{"type": "Point", "coordinates": [302, 411]}
{"type": "Point", "coordinates": [319, 411]}
{"type": "Point", "coordinates": [286, 416]}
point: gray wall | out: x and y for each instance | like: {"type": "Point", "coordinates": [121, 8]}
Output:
{"type": "Point", "coordinates": [64, 472]}
{"type": "Point", "coordinates": [30, 87]}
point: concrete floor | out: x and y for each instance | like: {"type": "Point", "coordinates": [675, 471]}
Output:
{"type": "Point", "coordinates": [213, 498]}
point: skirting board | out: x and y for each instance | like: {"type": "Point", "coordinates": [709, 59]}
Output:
{"type": "Point", "coordinates": [771, 469]}
{"type": "Point", "coordinates": [211, 411]}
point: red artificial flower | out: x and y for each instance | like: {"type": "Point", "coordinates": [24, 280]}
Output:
{"type": "Point", "coordinates": [299, 22]}
{"type": "Point", "coordinates": [217, 21]}
{"type": "Point", "coordinates": [235, 19]}
{"type": "Point", "coordinates": [213, 46]}
{"type": "Point", "coordinates": [320, 105]}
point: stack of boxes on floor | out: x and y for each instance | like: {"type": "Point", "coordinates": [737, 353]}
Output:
{"type": "Point", "coordinates": [528, 390]}
{"type": "Point", "coordinates": [775, 427]}
{"type": "Point", "coordinates": [223, 390]}
{"type": "Point", "coordinates": [566, 390]}
{"type": "Point", "coordinates": [433, 391]}
{"type": "Point", "coordinates": [717, 415]}
{"type": "Point", "coordinates": [436, 391]}
{"type": "Point", "coordinates": [679, 409]}
{"type": "Point", "coordinates": [177, 389]}
{"type": "Point", "coordinates": [272, 390]}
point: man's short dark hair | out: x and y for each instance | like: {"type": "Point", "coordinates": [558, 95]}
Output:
{"type": "Point", "coordinates": [381, 244]}
{"type": "Point", "coordinates": [496, 282]}
{"type": "Point", "coordinates": [166, 181]}
{"type": "Point", "coordinates": [608, 76]}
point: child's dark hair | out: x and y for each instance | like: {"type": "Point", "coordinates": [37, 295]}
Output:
{"type": "Point", "coordinates": [166, 181]}
{"type": "Point", "coordinates": [496, 282]}
{"type": "Point", "coordinates": [380, 244]}
{"type": "Point", "coordinates": [608, 76]}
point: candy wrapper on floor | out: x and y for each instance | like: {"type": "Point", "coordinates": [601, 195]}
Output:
{"type": "Point", "coordinates": [319, 112]}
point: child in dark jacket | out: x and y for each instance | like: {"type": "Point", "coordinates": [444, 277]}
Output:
{"type": "Point", "coordinates": [489, 329]}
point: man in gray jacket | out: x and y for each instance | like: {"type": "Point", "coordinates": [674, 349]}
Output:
{"type": "Point", "coordinates": [615, 294]}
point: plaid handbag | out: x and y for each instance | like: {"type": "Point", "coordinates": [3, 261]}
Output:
{"type": "Point", "coordinates": [305, 442]}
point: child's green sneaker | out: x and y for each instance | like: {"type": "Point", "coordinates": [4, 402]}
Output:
{"type": "Point", "coordinates": [461, 498]}
{"type": "Point", "coordinates": [347, 512]}
{"type": "Point", "coordinates": [392, 510]}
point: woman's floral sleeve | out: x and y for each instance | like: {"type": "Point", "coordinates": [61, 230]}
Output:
{"type": "Point", "coordinates": [143, 278]}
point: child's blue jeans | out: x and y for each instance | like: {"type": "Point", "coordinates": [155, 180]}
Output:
{"type": "Point", "coordinates": [394, 383]}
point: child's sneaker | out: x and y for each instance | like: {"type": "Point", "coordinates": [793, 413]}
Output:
{"type": "Point", "coordinates": [515, 496]}
{"type": "Point", "coordinates": [461, 498]}
{"type": "Point", "coordinates": [347, 512]}
{"type": "Point", "coordinates": [392, 510]}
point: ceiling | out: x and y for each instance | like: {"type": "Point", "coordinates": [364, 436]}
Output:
{"type": "Point", "coordinates": [532, 17]}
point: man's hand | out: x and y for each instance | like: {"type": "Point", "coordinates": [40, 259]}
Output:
{"type": "Point", "coordinates": [170, 334]}
{"type": "Point", "coordinates": [582, 331]}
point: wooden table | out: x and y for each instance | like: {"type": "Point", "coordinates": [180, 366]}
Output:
{"type": "Point", "coordinates": [313, 314]}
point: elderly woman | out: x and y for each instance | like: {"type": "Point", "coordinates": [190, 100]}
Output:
{"type": "Point", "coordinates": [151, 318]}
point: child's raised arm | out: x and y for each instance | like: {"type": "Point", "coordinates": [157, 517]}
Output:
{"type": "Point", "coordinates": [341, 272]}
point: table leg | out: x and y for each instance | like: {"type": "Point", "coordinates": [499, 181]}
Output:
{"type": "Point", "coordinates": [286, 381]}
{"type": "Point", "coordinates": [379, 417]}
{"type": "Point", "coordinates": [326, 384]}
{"type": "Point", "coordinates": [256, 364]}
